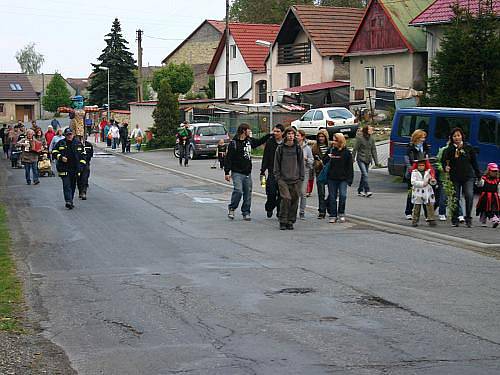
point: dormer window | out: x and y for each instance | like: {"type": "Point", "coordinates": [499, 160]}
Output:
{"type": "Point", "coordinates": [15, 87]}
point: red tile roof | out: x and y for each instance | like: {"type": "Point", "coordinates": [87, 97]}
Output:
{"type": "Point", "coordinates": [318, 86]}
{"type": "Point", "coordinates": [441, 11]}
{"type": "Point", "coordinates": [219, 25]}
{"type": "Point", "coordinates": [330, 28]}
{"type": "Point", "coordinates": [245, 35]}
{"type": "Point", "coordinates": [26, 93]}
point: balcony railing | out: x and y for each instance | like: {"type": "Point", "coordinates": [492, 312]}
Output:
{"type": "Point", "coordinates": [299, 53]}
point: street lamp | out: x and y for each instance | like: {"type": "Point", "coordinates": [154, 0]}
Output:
{"type": "Point", "coordinates": [107, 69]}
{"type": "Point", "coordinates": [264, 43]}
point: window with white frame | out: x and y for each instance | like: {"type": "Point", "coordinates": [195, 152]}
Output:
{"type": "Point", "coordinates": [233, 51]}
{"type": "Point", "coordinates": [370, 77]}
{"type": "Point", "coordinates": [389, 75]}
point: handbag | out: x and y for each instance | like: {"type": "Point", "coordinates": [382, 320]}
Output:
{"type": "Point", "coordinates": [37, 146]}
{"type": "Point", "coordinates": [323, 175]}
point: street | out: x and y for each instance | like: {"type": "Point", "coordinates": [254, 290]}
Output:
{"type": "Point", "coordinates": [149, 276]}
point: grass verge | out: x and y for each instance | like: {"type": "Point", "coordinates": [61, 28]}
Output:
{"type": "Point", "coordinates": [10, 286]}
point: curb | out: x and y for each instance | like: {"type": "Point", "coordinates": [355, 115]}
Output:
{"type": "Point", "coordinates": [382, 225]}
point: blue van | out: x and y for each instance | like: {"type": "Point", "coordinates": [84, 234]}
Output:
{"type": "Point", "coordinates": [481, 128]}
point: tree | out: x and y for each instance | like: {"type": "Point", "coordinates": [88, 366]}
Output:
{"type": "Point", "coordinates": [210, 88]}
{"type": "Point", "coordinates": [180, 77]}
{"type": "Point", "coordinates": [29, 59]}
{"type": "Point", "coordinates": [166, 113]}
{"type": "Point", "coordinates": [262, 11]}
{"type": "Point", "coordinates": [147, 93]}
{"type": "Point", "coordinates": [466, 71]}
{"type": "Point", "coordinates": [57, 94]}
{"type": "Point", "coordinates": [122, 81]}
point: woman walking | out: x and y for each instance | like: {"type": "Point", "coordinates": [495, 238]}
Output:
{"type": "Point", "coordinates": [308, 165]}
{"type": "Point", "coordinates": [364, 153]}
{"type": "Point", "coordinates": [29, 157]}
{"type": "Point", "coordinates": [459, 160]}
{"type": "Point", "coordinates": [320, 154]}
{"type": "Point", "coordinates": [340, 175]}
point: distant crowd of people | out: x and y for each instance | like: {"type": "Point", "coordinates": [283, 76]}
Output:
{"type": "Point", "coordinates": [117, 134]}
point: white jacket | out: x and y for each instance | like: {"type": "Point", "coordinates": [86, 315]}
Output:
{"type": "Point", "coordinates": [422, 192]}
{"type": "Point", "coordinates": [115, 131]}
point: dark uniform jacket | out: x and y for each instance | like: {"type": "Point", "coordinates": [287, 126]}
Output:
{"type": "Point", "coordinates": [88, 152]}
{"type": "Point", "coordinates": [73, 151]}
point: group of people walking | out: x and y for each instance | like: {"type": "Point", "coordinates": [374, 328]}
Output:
{"type": "Point", "coordinates": [116, 134]}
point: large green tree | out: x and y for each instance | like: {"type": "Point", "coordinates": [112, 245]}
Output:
{"type": "Point", "coordinates": [57, 94]}
{"type": "Point", "coordinates": [262, 11]}
{"type": "Point", "coordinates": [166, 113]}
{"type": "Point", "coordinates": [466, 71]}
{"type": "Point", "coordinates": [122, 81]}
{"type": "Point", "coordinates": [180, 77]}
{"type": "Point", "coordinates": [29, 59]}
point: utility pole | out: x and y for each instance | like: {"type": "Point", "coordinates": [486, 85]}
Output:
{"type": "Point", "coordinates": [139, 66]}
{"type": "Point", "coordinates": [227, 51]}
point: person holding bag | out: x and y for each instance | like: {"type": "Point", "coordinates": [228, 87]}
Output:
{"type": "Point", "coordinates": [29, 156]}
{"type": "Point", "coordinates": [138, 136]}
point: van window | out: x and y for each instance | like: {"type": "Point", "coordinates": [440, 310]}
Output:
{"type": "Point", "coordinates": [318, 116]}
{"type": "Point", "coordinates": [444, 125]}
{"type": "Point", "coordinates": [409, 123]}
{"type": "Point", "coordinates": [488, 131]}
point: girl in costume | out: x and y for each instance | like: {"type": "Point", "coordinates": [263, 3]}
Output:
{"type": "Point", "coordinates": [488, 205]}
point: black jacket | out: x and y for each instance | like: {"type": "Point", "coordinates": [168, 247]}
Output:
{"type": "Point", "coordinates": [268, 157]}
{"type": "Point", "coordinates": [462, 162]}
{"type": "Point", "coordinates": [239, 154]}
{"type": "Point", "coordinates": [73, 151]}
{"type": "Point", "coordinates": [341, 168]}
{"type": "Point", "coordinates": [88, 152]}
{"type": "Point", "coordinates": [124, 132]}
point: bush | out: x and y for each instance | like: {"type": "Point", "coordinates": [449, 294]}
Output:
{"type": "Point", "coordinates": [165, 141]}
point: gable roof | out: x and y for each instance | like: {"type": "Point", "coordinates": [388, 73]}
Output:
{"type": "Point", "coordinates": [330, 29]}
{"type": "Point", "coordinates": [218, 25]}
{"type": "Point", "coordinates": [6, 93]}
{"type": "Point", "coordinates": [245, 35]}
{"type": "Point", "coordinates": [441, 11]}
{"type": "Point", "coordinates": [39, 82]}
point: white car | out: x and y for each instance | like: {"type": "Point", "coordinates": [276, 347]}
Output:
{"type": "Point", "coordinates": [333, 119]}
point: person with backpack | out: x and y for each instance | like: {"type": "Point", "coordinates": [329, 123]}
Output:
{"type": "Point", "coordinates": [184, 135]}
{"type": "Point", "coordinates": [289, 172]}
{"type": "Point", "coordinates": [272, 191]}
{"type": "Point", "coordinates": [238, 167]}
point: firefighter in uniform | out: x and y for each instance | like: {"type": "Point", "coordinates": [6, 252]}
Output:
{"type": "Point", "coordinates": [70, 162]}
{"type": "Point", "coordinates": [83, 179]}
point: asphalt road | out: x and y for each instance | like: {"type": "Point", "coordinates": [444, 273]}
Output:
{"type": "Point", "coordinates": [149, 277]}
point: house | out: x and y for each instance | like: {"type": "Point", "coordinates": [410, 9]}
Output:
{"type": "Point", "coordinates": [80, 85]}
{"type": "Point", "coordinates": [309, 48]}
{"type": "Point", "coordinates": [18, 99]}
{"type": "Point", "coordinates": [247, 71]}
{"type": "Point", "coordinates": [40, 83]}
{"type": "Point", "coordinates": [197, 50]}
{"type": "Point", "coordinates": [433, 21]}
{"type": "Point", "coordinates": [386, 52]}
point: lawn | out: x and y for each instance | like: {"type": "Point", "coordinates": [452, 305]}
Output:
{"type": "Point", "coordinates": [10, 288]}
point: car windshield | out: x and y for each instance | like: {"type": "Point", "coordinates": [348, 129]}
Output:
{"type": "Point", "coordinates": [339, 113]}
{"type": "Point", "coordinates": [211, 130]}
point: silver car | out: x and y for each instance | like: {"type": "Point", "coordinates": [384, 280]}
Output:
{"type": "Point", "coordinates": [206, 137]}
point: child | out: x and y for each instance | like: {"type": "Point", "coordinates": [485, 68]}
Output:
{"type": "Point", "coordinates": [422, 193]}
{"type": "Point", "coordinates": [221, 152]}
{"type": "Point", "coordinates": [488, 205]}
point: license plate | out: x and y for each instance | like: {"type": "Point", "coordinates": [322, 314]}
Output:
{"type": "Point", "coordinates": [212, 146]}
{"type": "Point", "coordinates": [345, 130]}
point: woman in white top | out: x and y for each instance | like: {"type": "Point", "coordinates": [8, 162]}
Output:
{"type": "Point", "coordinates": [138, 136]}
{"type": "Point", "coordinates": [115, 135]}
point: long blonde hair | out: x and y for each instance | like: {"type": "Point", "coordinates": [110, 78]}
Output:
{"type": "Point", "coordinates": [341, 142]}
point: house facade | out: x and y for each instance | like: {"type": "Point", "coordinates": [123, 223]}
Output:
{"type": "Point", "coordinates": [385, 51]}
{"type": "Point", "coordinates": [18, 99]}
{"type": "Point", "coordinates": [198, 50]}
{"type": "Point", "coordinates": [247, 71]}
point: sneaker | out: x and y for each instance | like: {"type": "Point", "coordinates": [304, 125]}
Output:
{"type": "Point", "coordinates": [409, 217]}
{"type": "Point", "coordinates": [308, 195]}
{"type": "Point", "coordinates": [369, 194]}
{"type": "Point", "coordinates": [468, 223]}
{"type": "Point", "coordinates": [36, 182]}
{"type": "Point", "coordinates": [230, 213]}
{"type": "Point", "coordinates": [302, 216]}
{"type": "Point", "coordinates": [282, 226]}
{"type": "Point", "coordinates": [361, 194]}
{"type": "Point", "coordinates": [442, 217]}
{"type": "Point", "coordinates": [332, 220]}
{"type": "Point", "coordinates": [289, 226]}
{"type": "Point", "coordinates": [269, 214]}
{"type": "Point", "coordinates": [454, 224]}
{"type": "Point", "coordinates": [68, 205]}
{"type": "Point", "coordinates": [84, 197]}
{"type": "Point", "coordinates": [28, 182]}
{"type": "Point", "coordinates": [461, 219]}
{"type": "Point", "coordinates": [247, 218]}
{"type": "Point", "coordinates": [342, 219]}
{"type": "Point", "coordinates": [321, 215]}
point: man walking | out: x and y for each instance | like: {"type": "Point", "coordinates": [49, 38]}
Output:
{"type": "Point", "coordinates": [238, 166]}
{"type": "Point", "coordinates": [83, 178]}
{"type": "Point", "coordinates": [124, 137]}
{"type": "Point", "coordinates": [272, 191]}
{"type": "Point", "coordinates": [184, 135]}
{"type": "Point", "coordinates": [68, 153]}
{"type": "Point", "coordinates": [289, 173]}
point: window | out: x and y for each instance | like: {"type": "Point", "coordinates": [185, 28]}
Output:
{"type": "Point", "coordinates": [211, 130]}
{"type": "Point", "coordinates": [389, 75]}
{"type": "Point", "coordinates": [370, 77]}
{"type": "Point", "coordinates": [308, 116]}
{"type": "Point", "coordinates": [340, 113]}
{"type": "Point", "coordinates": [489, 131]}
{"type": "Point", "coordinates": [318, 115]}
{"type": "Point", "coordinates": [15, 87]}
{"type": "Point", "coordinates": [2, 109]}
{"type": "Point", "coordinates": [409, 123]}
{"type": "Point", "coordinates": [359, 94]}
{"type": "Point", "coordinates": [293, 79]}
{"type": "Point", "coordinates": [444, 124]}
{"type": "Point", "coordinates": [234, 89]}
{"type": "Point", "coordinates": [233, 51]}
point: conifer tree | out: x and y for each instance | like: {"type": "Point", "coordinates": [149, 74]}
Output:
{"type": "Point", "coordinates": [57, 94]}
{"type": "Point", "coordinates": [166, 113]}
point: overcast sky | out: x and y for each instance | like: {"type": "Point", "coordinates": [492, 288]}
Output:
{"type": "Point", "coordinates": [70, 34]}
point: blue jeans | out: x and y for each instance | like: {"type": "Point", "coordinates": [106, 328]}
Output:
{"type": "Point", "coordinates": [337, 188]}
{"type": "Point", "coordinates": [363, 182]}
{"type": "Point", "coordinates": [115, 143]}
{"type": "Point", "coordinates": [322, 202]}
{"type": "Point", "coordinates": [242, 186]}
{"type": "Point", "coordinates": [31, 167]}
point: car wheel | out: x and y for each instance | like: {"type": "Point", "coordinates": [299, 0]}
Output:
{"type": "Point", "coordinates": [192, 154]}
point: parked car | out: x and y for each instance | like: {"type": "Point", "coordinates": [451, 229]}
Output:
{"type": "Point", "coordinates": [481, 128]}
{"type": "Point", "coordinates": [333, 119]}
{"type": "Point", "coordinates": [206, 136]}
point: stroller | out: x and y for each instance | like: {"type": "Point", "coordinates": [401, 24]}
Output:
{"type": "Point", "coordinates": [44, 165]}
{"type": "Point", "coordinates": [15, 156]}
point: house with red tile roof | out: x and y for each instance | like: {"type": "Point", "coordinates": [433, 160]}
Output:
{"type": "Point", "coordinates": [436, 16]}
{"type": "Point", "coordinates": [18, 99]}
{"type": "Point", "coordinates": [197, 50]}
{"type": "Point", "coordinates": [385, 52]}
{"type": "Point", "coordinates": [247, 70]}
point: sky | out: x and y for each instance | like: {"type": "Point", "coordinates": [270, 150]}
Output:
{"type": "Point", "coordinates": [70, 34]}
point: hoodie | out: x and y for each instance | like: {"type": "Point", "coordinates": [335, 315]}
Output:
{"type": "Point", "coordinates": [289, 163]}
{"type": "Point", "coordinates": [239, 154]}
{"type": "Point", "coordinates": [341, 165]}
{"type": "Point", "coordinates": [320, 154]}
